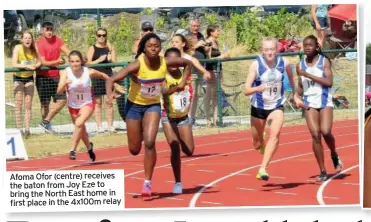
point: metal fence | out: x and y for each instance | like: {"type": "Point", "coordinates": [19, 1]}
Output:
{"type": "Point", "coordinates": [232, 106]}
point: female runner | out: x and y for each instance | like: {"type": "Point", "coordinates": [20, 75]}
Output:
{"type": "Point", "coordinates": [143, 108]}
{"type": "Point", "coordinates": [76, 79]}
{"type": "Point", "coordinates": [176, 123]}
{"type": "Point", "coordinates": [315, 82]}
{"type": "Point", "coordinates": [367, 161]}
{"type": "Point", "coordinates": [264, 84]}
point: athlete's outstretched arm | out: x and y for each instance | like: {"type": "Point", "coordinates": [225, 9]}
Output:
{"type": "Point", "coordinates": [200, 68]}
{"type": "Point", "coordinates": [290, 75]}
{"type": "Point", "coordinates": [250, 79]}
{"type": "Point", "coordinates": [326, 81]}
{"type": "Point", "coordinates": [168, 91]}
{"type": "Point", "coordinates": [63, 82]}
{"type": "Point", "coordinates": [101, 75]}
{"type": "Point", "coordinates": [123, 73]}
{"type": "Point", "coordinates": [299, 90]}
{"type": "Point", "coordinates": [180, 62]}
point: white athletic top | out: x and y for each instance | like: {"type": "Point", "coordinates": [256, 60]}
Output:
{"type": "Point", "coordinates": [273, 95]}
{"type": "Point", "coordinates": [315, 95]}
{"type": "Point", "coordinates": [79, 91]}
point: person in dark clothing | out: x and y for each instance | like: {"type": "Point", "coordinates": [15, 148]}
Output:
{"type": "Point", "coordinates": [99, 53]}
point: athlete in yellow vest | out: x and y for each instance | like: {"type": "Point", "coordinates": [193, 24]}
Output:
{"type": "Point", "coordinates": [175, 121]}
{"type": "Point", "coordinates": [143, 108]}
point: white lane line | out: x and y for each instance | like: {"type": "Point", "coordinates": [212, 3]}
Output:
{"type": "Point", "coordinates": [244, 174]}
{"type": "Point", "coordinates": [341, 126]}
{"type": "Point", "coordinates": [354, 184]}
{"type": "Point", "coordinates": [136, 178]}
{"type": "Point", "coordinates": [201, 145]}
{"type": "Point", "coordinates": [134, 194]}
{"type": "Point", "coordinates": [195, 197]}
{"type": "Point", "coordinates": [173, 198]}
{"type": "Point", "coordinates": [275, 177]}
{"type": "Point", "coordinates": [286, 193]}
{"type": "Point", "coordinates": [214, 203]}
{"type": "Point", "coordinates": [332, 198]}
{"type": "Point", "coordinates": [206, 171]}
{"type": "Point", "coordinates": [243, 188]}
{"type": "Point", "coordinates": [323, 185]}
{"type": "Point", "coordinates": [233, 152]}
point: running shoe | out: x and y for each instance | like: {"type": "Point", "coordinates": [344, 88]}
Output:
{"type": "Point", "coordinates": [26, 134]}
{"type": "Point", "coordinates": [338, 165]}
{"type": "Point", "coordinates": [178, 188]}
{"type": "Point", "coordinates": [91, 153]}
{"type": "Point", "coordinates": [72, 155]}
{"type": "Point", "coordinates": [47, 126]}
{"type": "Point", "coordinates": [262, 175]}
{"type": "Point", "coordinates": [146, 190]}
{"type": "Point", "coordinates": [322, 177]}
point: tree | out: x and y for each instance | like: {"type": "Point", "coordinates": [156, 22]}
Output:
{"type": "Point", "coordinates": [368, 54]}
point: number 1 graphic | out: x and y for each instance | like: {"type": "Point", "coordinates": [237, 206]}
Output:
{"type": "Point", "coordinates": [11, 141]}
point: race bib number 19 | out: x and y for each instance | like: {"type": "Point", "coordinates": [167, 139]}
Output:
{"type": "Point", "coordinates": [150, 90]}
{"type": "Point", "coordinates": [181, 101]}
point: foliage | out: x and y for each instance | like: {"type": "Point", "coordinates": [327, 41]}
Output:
{"type": "Point", "coordinates": [251, 28]}
{"type": "Point", "coordinates": [160, 23]}
{"type": "Point", "coordinates": [368, 54]}
{"type": "Point", "coordinates": [147, 11]}
{"type": "Point", "coordinates": [211, 19]}
{"type": "Point", "coordinates": [183, 23]}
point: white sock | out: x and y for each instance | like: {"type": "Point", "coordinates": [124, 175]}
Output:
{"type": "Point", "coordinates": [147, 182]}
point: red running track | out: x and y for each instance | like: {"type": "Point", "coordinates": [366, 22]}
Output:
{"type": "Point", "coordinates": [222, 171]}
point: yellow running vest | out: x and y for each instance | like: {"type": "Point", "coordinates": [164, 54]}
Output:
{"type": "Point", "coordinates": [145, 88]}
{"type": "Point", "coordinates": [177, 104]}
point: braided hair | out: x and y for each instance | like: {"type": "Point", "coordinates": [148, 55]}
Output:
{"type": "Point", "coordinates": [143, 41]}
{"type": "Point", "coordinates": [319, 51]}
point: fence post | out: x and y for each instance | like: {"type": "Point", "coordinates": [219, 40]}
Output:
{"type": "Point", "coordinates": [219, 93]}
{"type": "Point", "coordinates": [126, 85]}
{"type": "Point", "coordinates": [99, 23]}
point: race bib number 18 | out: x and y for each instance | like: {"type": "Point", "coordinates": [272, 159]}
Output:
{"type": "Point", "coordinates": [181, 101]}
{"type": "Point", "coordinates": [150, 90]}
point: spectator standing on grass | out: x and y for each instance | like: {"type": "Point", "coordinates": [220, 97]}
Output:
{"type": "Point", "coordinates": [50, 47]}
{"type": "Point", "coordinates": [25, 56]}
{"type": "Point", "coordinates": [320, 16]}
{"type": "Point", "coordinates": [213, 52]}
{"type": "Point", "coordinates": [195, 36]}
{"type": "Point", "coordinates": [99, 53]}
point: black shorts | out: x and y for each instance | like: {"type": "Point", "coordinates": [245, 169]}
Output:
{"type": "Point", "coordinates": [99, 85]}
{"type": "Point", "coordinates": [261, 113]}
{"type": "Point", "coordinates": [47, 89]}
{"type": "Point", "coordinates": [22, 80]}
{"type": "Point", "coordinates": [368, 113]}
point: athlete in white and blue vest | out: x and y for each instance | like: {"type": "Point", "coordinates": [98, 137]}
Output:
{"type": "Point", "coordinates": [265, 86]}
{"type": "Point", "coordinates": [273, 96]}
{"type": "Point", "coordinates": [314, 95]}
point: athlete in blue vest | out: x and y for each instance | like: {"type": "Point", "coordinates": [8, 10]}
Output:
{"type": "Point", "coordinates": [314, 85]}
{"type": "Point", "coordinates": [264, 85]}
